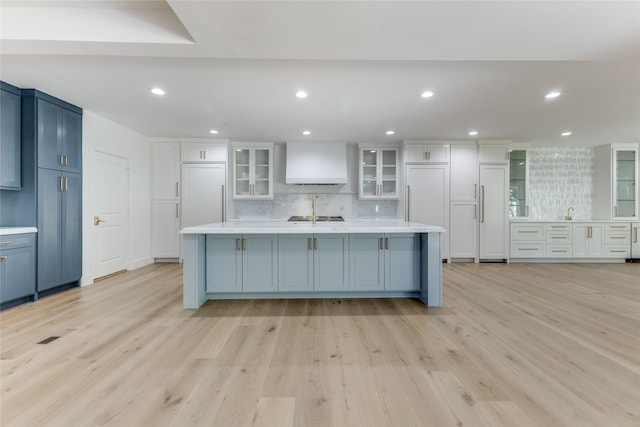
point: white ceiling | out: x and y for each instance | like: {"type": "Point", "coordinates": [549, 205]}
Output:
{"type": "Point", "coordinates": [235, 66]}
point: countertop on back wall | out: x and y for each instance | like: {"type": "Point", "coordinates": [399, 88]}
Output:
{"type": "Point", "coordinates": [577, 221]}
{"type": "Point", "coordinates": [17, 230]}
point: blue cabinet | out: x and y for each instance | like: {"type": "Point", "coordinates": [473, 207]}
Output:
{"type": "Point", "coordinates": [59, 137]}
{"type": "Point", "coordinates": [295, 262]}
{"type": "Point", "coordinates": [17, 266]}
{"type": "Point", "coordinates": [384, 262]}
{"type": "Point", "coordinates": [242, 263]}
{"type": "Point", "coordinates": [310, 262]}
{"type": "Point", "coordinates": [10, 137]}
{"type": "Point", "coordinates": [52, 131]}
{"type": "Point", "coordinates": [59, 228]}
{"type": "Point", "coordinates": [331, 262]}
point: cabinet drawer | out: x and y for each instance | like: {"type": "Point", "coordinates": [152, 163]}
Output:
{"type": "Point", "coordinates": [559, 251]}
{"type": "Point", "coordinates": [621, 251]}
{"type": "Point", "coordinates": [559, 237]}
{"type": "Point", "coordinates": [617, 237]}
{"type": "Point", "coordinates": [558, 227]}
{"type": "Point", "coordinates": [527, 232]}
{"type": "Point", "coordinates": [426, 153]}
{"type": "Point", "coordinates": [12, 241]}
{"type": "Point", "coordinates": [527, 250]}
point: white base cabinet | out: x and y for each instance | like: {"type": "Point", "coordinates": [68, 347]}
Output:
{"type": "Point", "coordinates": [635, 240]}
{"type": "Point", "coordinates": [165, 214]}
{"type": "Point", "coordinates": [494, 213]}
{"type": "Point", "coordinates": [570, 240]}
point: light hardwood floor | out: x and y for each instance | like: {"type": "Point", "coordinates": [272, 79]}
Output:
{"type": "Point", "coordinates": [514, 345]}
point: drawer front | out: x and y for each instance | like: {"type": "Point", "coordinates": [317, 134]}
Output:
{"type": "Point", "coordinates": [617, 237]}
{"type": "Point", "coordinates": [559, 237]}
{"type": "Point", "coordinates": [527, 250]}
{"type": "Point", "coordinates": [558, 227]}
{"type": "Point", "coordinates": [12, 241]}
{"type": "Point", "coordinates": [617, 251]}
{"type": "Point", "coordinates": [559, 251]}
{"type": "Point", "coordinates": [624, 228]}
{"type": "Point", "coordinates": [527, 232]}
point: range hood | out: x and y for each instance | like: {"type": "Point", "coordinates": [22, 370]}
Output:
{"type": "Point", "coordinates": [316, 163]}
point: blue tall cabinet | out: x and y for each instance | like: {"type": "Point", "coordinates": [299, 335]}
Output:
{"type": "Point", "coordinates": [10, 157]}
{"type": "Point", "coordinates": [52, 131]}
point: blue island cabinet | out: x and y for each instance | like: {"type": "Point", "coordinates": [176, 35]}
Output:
{"type": "Point", "coordinates": [313, 262]}
{"type": "Point", "coordinates": [388, 262]}
{"type": "Point", "coordinates": [241, 263]}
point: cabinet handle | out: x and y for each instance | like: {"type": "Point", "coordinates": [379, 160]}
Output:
{"type": "Point", "coordinates": [428, 155]}
{"type": "Point", "coordinates": [558, 251]}
{"type": "Point", "coordinates": [482, 202]}
{"type": "Point", "coordinates": [386, 243]}
{"type": "Point", "coordinates": [408, 203]}
{"type": "Point", "coordinates": [244, 244]}
{"type": "Point", "coordinates": [635, 234]}
{"type": "Point", "coordinates": [66, 160]}
{"type": "Point", "coordinates": [3, 257]}
{"type": "Point", "coordinates": [66, 184]}
{"type": "Point", "coordinates": [618, 226]}
{"type": "Point", "coordinates": [223, 208]}
{"type": "Point", "coordinates": [6, 242]}
{"type": "Point", "coordinates": [590, 232]}
{"type": "Point", "coordinates": [177, 209]}
{"type": "Point", "coordinates": [204, 153]}
{"type": "Point", "coordinates": [177, 189]}
{"type": "Point", "coordinates": [60, 184]}
{"type": "Point", "coordinates": [528, 249]}
{"type": "Point", "coordinates": [381, 244]}
{"type": "Point", "coordinates": [238, 248]}
{"type": "Point", "coordinates": [475, 212]}
{"type": "Point", "coordinates": [475, 188]}
{"type": "Point", "coordinates": [60, 161]}
{"type": "Point", "coordinates": [310, 243]}
{"type": "Point", "coordinates": [315, 243]}
{"type": "Point", "coordinates": [526, 231]}
{"type": "Point", "coordinates": [507, 154]}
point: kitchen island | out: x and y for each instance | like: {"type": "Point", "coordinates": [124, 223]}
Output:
{"type": "Point", "coordinates": [278, 259]}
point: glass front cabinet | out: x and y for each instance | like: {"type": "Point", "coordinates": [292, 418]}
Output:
{"type": "Point", "coordinates": [253, 171]}
{"type": "Point", "coordinates": [625, 179]}
{"type": "Point", "coordinates": [518, 173]}
{"type": "Point", "coordinates": [378, 173]}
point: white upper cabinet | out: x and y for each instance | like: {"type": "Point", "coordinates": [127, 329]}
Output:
{"type": "Point", "coordinates": [496, 154]}
{"type": "Point", "coordinates": [464, 173]}
{"type": "Point", "coordinates": [197, 152]}
{"type": "Point", "coordinates": [615, 194]}
{"type": "Point", "coordinates": [253, 171]}
{"type": "Point", "coordinates": [625, 183]}
{"type": "Point", "coordinates": [166, 171]}
{"type": "Point", "coordinates": [378, 173]}
{"type": "Point", "coordinates": [426, 153]}
{"type": "Point", "coordinates": [518, 189]}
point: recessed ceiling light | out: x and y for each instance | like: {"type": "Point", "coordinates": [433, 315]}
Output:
{"type": "Point", "coordinates": [213, 131]}
{"type": "Point", "coordinates": [552, 95]}
{"type": "Point", "coordinates": [157, 91]}
{"type": "Point", "coordinates": [306, 132]}
{"type": "Point", "coordinates": [391, 132]}
{"type": "Point", "coordinates": [566, 133]}
{"type": "Point", "coordinates": [473, 132]}
{"type": "Point", "coordinates": [427, 94]}
{"type": "Point", "coordinates": [301, 94]}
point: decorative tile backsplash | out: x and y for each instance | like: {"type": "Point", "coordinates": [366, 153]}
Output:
{"type": "Point", "coordinates": [285, 205]}
{"type": "Point", "coordinates": [560, 178]}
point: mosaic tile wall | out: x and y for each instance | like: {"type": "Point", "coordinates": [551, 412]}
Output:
{"type": "Point", "coordinates": [559, 178]}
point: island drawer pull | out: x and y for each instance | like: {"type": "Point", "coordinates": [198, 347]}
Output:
{"type": "Point", "coordinates": [315, 243]}
{"type": "Point", "coordinates": [310, 243]}
{"type": "Point", "coordinates": [6, 242]}
{"type": "Point", "coordinates": [381, 244]}
{"type": "Point", "coordinates": [238, 245]}
{"type": "Point", "coordinates": [386, 242]}
{"type": "Point", "coordinates": [244, 244]}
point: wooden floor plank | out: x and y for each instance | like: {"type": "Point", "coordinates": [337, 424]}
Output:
{"type": "Point", "coordinates": [514, 345]}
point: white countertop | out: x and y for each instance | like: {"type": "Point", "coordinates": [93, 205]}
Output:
{"type": "Point", "coordinates": [578, 221]}
{"type": "Point", "coordinates": [17, 230]}
{"type": "Point", "coordinates": [285, 227]}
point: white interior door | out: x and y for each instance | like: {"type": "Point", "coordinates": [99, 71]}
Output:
{"type": "Point", "coordinates": [111, 212]}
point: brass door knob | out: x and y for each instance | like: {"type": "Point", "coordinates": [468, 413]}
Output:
{"type": "Point", "coordinates": [97, 220]}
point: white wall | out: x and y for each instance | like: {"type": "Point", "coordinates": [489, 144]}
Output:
{"type": "Point", "coordinates": [104, 135]}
